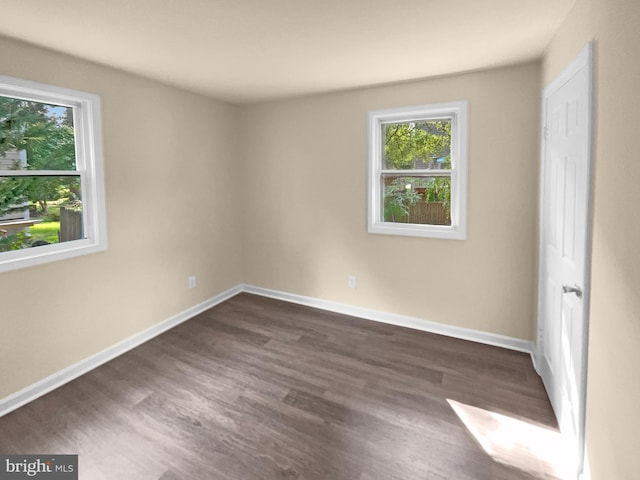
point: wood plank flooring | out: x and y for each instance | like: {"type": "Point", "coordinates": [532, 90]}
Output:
{"type": "Point", "coordinates": [257, 388]}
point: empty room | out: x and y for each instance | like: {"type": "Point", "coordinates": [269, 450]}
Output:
{"type": "Point", "coordinates": [345, 240]}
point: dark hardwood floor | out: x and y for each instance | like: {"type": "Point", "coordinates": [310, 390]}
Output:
{"type": "Point", "coordinates": [256, 388]}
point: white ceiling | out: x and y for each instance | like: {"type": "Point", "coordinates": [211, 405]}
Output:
{"type": "Point", "coordinates": [252, 50]}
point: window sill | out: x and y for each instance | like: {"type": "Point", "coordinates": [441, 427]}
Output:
{"type": "Point", "coordinates": [416, 230]}
{"type": "Point", "coordinates": [33, 256]}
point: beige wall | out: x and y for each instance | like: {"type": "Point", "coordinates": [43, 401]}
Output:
{"type": "Point", "coordinates": [305, 163]}
{"type": "Point", "coordinates": [171, 191]}
{"type": "Point", "coordinates": [613, 398]}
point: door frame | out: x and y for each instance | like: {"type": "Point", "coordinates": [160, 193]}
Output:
{"type": "Point", "coordinates": [582, 60]}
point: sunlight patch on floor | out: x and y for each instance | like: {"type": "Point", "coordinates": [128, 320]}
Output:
{"type": "Point", "coordinates": [531, 448]}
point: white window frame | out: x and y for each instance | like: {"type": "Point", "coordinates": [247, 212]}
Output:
{"type": "Point", "coordinates": [89, 166]}
{"type": "Point", "coordinates": [457, 112]}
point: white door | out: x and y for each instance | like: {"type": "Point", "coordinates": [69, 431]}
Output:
{"type": "Point", "coordinates": [565, 248]}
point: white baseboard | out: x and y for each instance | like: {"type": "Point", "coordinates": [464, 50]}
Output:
{"type": "Point", "coordinates": [44, 386]}
{"type": "Point", "coordinates": [400, 320]}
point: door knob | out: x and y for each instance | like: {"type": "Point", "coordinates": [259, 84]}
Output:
{"type": "Point", "coordinates": [575, 289]}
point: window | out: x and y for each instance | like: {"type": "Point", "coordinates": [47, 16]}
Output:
{"type": "Point", "coordinates": [417, 171]}
{"type": "Point", "coordinates": [51, 179]}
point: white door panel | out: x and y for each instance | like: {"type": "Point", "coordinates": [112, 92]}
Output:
{"type": "Point", "coordinates": [564, 243]}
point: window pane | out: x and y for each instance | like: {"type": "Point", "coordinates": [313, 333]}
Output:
{"type": "Point", "coordinates": [36, 136]}
{"type": "Point", "coordinates": [37, 211]}
{"type": "Point", "coordinates": [420, 144]}
{"type": "Point", "coordinates": [417, 200]}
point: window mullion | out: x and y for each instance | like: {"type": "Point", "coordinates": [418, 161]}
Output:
{"type": "Point", "coordinates": [417, 173]}
{"type": "Point", "coordinates": [39, 173]}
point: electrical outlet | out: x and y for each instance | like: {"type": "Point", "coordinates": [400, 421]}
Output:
{"type": "Point", "coordinates": [192, 281]}
{"type": "Point", "coordinates": [352, 281]}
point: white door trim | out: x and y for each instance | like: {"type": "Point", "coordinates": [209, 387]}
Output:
{"type": "Point", "coordinates": [582, 60]}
